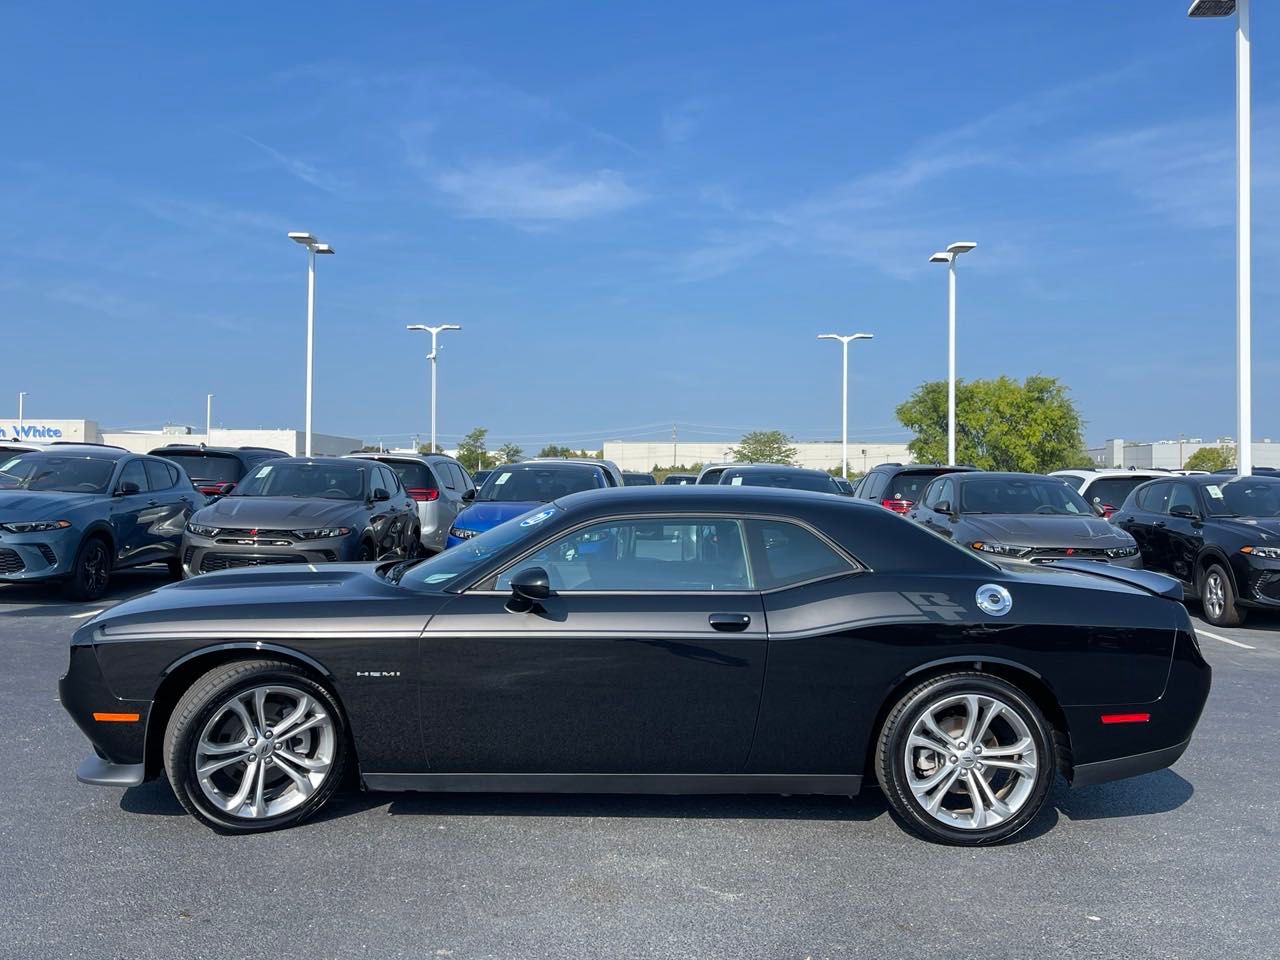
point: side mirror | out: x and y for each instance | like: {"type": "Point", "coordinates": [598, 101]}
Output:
{"type": "Point", "coordinates": [943, 506]}
{"type": "Point", "coordinates": [1186, 513]}
{"type": "Point", "coordinates": [469, 495]}
{"type": "Point", "coordinates": [127, 488]}
{"type": "Point", "coordinates": [380, 494]}
{"type": "Point", "coordinates": [529, 587]}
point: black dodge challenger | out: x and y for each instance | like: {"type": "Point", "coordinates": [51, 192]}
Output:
{"type": "Point", "coordinates": [700, 639]}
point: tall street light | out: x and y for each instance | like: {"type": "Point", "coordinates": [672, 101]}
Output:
{"type": "Point", "coordinates": [21, 398]}
{"type": "Point", "coordinates": [208, 419]}
{"type": "Point", "coordinates": [435, 332]}
{"type": "Point", "coordinates": [948, 257]}
{"type": "Point", "coordinates": [1244, 360]}
{"type": "Point", "coordinates": [313, 247]}
{"type": "Point", "coordinates": [844, 404]}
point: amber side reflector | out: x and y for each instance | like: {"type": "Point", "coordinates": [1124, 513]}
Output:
{"type": "Point", "coordinates": [116, 717]}
{"type": "Point", "coordinates": [1125, 717]}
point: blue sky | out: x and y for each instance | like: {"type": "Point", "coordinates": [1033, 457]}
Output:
{"type": "Point", "coordinates": [640, 213]}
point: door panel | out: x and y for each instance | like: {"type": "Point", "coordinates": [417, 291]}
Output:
{"type": "Point", "coordinates": [593, 683]}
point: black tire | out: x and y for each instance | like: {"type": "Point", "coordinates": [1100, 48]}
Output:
{"type": "Point", "coordinates": [203, 700]}
{"type": "Point", "coordinates": [91, 570]}
{"type": "Point", "coordinates": [175, 569]}
{"type": "Point", "coordinates": [365, 553]}
{"type": "Point", "coordinates": [1230, 615]}
{"type": "Point", "coordinates": [892, 746]}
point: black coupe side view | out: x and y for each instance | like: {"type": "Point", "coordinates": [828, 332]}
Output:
{"type": "Point", "coordinates": [699, 639]}
{"type": "Point", "coordinates": [1219, 535]}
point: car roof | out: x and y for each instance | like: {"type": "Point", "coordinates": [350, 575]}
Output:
{"type": "Point", "coordinates": [1207, 479]}
{"type": "Point", "coordinates": [405, 455]}
{"type": "Point", "coordinates": [770, 468]}
{"type": "Point", "coordinates": [1002, 475]}
{"type": "Point", "coordinates": [330, 460]}
{"type": "Point", "coordinates": [716, 497]}
{"type": "Point", "coordinates": [554, 463]}
{"type": "Point", "coordinates": [170, 448]}
{"type": "Point", "coordinates": [87, 449]}
{"type": "Point", "coordinates": [1109, 472]}
{"type": "Point", "coordinates": [921, 467]}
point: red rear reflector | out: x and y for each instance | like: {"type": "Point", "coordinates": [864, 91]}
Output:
{"type": "Point", "coordinates": [1125, 717]}
{"type": "Point", "coordinates": [423, 494]}
{"type": "Point", "coordinates": [1107, 510]}
{"type": "Point", "coordinates": [116, 717]}
{"type": "Point", "coordinates": [896, 505]}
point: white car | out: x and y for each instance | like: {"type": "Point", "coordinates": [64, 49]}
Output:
{"type": "Point", "coordinates": [1107, 489]}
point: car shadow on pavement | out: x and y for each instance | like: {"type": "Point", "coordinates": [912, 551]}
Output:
{"type": "Point", "coordinates": [1151, 793]}
{"type": "Point", "coordinates": [46, 599]}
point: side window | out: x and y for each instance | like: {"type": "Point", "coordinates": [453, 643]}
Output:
{"type": "Point", "coordinates": [387, 480]}
{"type": "Point", "coordinates": [1183, 496]}
{"type": "Point", "coordinates": [1154, 498]}
{"type": "Point", "coordinates": [157, 475]}
{"type": "Point", "coordinates": [932, 494]}
{"type": "Point", "coordinates": [134, 472]}
{"type": "Point", "coordinates": [947, 492]}
{"type": "Point", "coordinates": [459, 477]}
{"type": "Point", "coordinates": [876, 483]}
{"type": "Point", "coordinates": [175, 475]}
{"type": "Point", "coordinates": [783, 554]}
{"type": "Point", "coordinates": [668, 555]}
{"type": "Point", "coordinates": [448, 473]}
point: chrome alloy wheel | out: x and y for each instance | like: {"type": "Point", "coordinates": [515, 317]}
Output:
{"type": "Point", "coordinates": [971, 761]}
{"type": "Point", "coordinates": [1215, 596]}
{"type": "Point", "coordinates": [265, 751]}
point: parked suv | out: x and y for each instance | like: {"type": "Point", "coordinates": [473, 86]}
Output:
{"type": "Point", "coordinates": [790, 478]}
{"type": "Point", "coordinates": [439, 485]}
{"type": "Point", "coordinates": [1107, 489]}
{"type": "Point", "coordinates": [1219, 535]}
{"type": "Point", "coordinates": [897, 487]}
{"type": "Point", "coordinates": [215, 471]}
{"type": "Point", "coordinates": [517, 488]}
{"type": "Point", "coordinates": [76, 513]}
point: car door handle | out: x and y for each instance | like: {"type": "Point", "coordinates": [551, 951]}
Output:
{"type": "Point", "coordinates": [153, 503]}
{"type": "Point", "coordinates": [729, 622]}
{"type": "Point", "coordinates": [1159, 524]}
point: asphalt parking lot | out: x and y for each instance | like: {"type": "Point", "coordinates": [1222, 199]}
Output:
{"type": "Point", "coordinates": [1180, 863]}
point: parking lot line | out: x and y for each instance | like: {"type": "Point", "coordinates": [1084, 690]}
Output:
{"type": "Point", "coordinates": [1234, 643]}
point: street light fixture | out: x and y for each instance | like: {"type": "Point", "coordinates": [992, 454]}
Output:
{"type": "Point", "coordinates": [22, 396]}
{"type": "Point", "coordinates": [1244, 254]}
{"type": "Point", "coordinates": [948, 257]}
{"type": "Point", "coordinates": [313, 247]}
{"type": "Point", "coordinates": [208, 419]}
{"type": "Point", "coordinates": [844, 404]}
{"type": "Point", "coordinates": [434, 331]}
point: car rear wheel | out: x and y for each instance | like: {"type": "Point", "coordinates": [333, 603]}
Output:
{"type": "Point", "coordinates": [91, 571]}
{"type": "Point", "coordinates": [365, 552]}
{"type": "Point", "coordinates": [255, 745]}
{"type": "Point", "coordinates": [1219, 599]}
{"type": "Point", "coordinates": [965, 759]}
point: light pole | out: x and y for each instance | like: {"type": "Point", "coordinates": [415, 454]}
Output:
{"type": "Point", "coordinates": [435, 332]}
{"type": "Point", "coordinates": [22, 396]}
{"type": "Point", "coordinates": [313, 247]}
{"type": "Point", "coordinates": [948, 257]}
{"type": "Point", "coordinates": [844, 402]}
{"type": "Point", "coordinates": [208, 419]}
{"type": "Point", "coordinates": [1244, 359]}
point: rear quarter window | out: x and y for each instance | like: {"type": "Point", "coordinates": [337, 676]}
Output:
{"type": "Point", "coordinates": [784, 554]}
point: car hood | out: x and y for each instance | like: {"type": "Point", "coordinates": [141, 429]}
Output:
{"type": "Point", "coordinates": [1041, 530]}
{"type": "Point", "coordinates": [279, 513]}
{"type": "Point", "coordinates": [279, 603]}
{"type": "Point", "coordinates": [27, 505]}
{"type": "Point", "coordinates": [486, 514]}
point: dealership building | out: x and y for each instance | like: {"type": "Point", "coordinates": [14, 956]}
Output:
{"type": "Point", "coordinates": [1172, 454]}
{"type": "Point", "coordinates": [292, 442]}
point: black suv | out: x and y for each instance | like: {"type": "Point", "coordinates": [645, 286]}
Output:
{"type": "Point", "coordinates": [215, 471]}
{"type": "Point", "coordinates": [1219, 535]}
{"type": "Point", "coordinates": [898, 487]}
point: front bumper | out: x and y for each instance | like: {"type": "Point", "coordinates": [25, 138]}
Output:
{"type": "Point", "coordinates": [205, 555]}
{"type": "Point", "coordinates": [115, 727]}
{"type": "Point", "coordinates": [102, 773]}
{"type": "Point", "coordinates": [37, 556]}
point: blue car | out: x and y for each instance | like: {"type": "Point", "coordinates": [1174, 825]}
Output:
{"type": "Point", "coordinates": [75, 513]}
{"type": "Point", "coordinates": [518, 488]}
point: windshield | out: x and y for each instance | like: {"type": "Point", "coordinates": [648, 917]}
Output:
{"type": "Point", "coordinates": [205, 466]}
{"type": "Point", "coordinates": [441, 569]}
{"type": "Point", "coordinates": [1113, 491]}
{"type": "Point", "coordinates": [1246, 497]}
{"type": "Point", "coordinates": [1019, 495]}
{"type": "Point", "coordinates": [61, 474]}
{"type": "Point", "coordinates": [297, 478]}
{"type": "Point", "coordinates": [538, 484]}
{"type": "Point", "coordinates": [788, 479]}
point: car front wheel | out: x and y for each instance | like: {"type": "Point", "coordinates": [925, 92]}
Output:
{"type": "Point", "coordinates": [965, 759]}
{"type": "Point", "coordinates": [1219, 599]}
{"type": "Point", "coordinates": [91, 571]}
{"type": "Point", "coordinates": [255, 745]}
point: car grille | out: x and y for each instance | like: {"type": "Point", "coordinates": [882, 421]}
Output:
{"type": "Point", "coordinates": [10, 562]}
{"type": "Point", "coordinates": [46, 551]}
{"type": "Point", "coordinates": [1075, 553]}
{"type": "Point", "coordinates": [187, 555]}
{"type": "Point", "coordinates": [1266, 585]}
{"type": "Point", "coordinates": [265, 538]}
{"type": "Point", "coordinates": [214, 561]}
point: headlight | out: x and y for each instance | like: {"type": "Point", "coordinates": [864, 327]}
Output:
{"type": "Point", "coordinates": [321, 533]}
{"type": "Point", "coordinates": [1266, 553]}
{"type": "Point", "coordinates": [1131, 550]}
{"type": "Point", "coordinates": [35, 526]}
{"type": "Point", "coordinates": [462, 534]}
{"type": "Point", "coordinates": [202, 531]}
{"type": "Point", "coordinates": [1000, 549]}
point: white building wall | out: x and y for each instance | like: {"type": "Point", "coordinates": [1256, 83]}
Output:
{"type": "Point", "coordinates": [44, 430]}
{"type": "Point", "coordinates": [644, 455]}
{"type": "Point", "coordinates": [292, 442]}
{"type": "Point", "coordinates": [1172, 454]}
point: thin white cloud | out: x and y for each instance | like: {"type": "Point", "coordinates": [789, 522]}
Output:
{"type": "Point", "coordinates": [531, 192]}
{"type": "Point", "coordinates": [300, 169]}
{"type": "Point", "coordinates": [200, 215]}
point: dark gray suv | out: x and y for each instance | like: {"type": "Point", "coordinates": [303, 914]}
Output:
{"type": "Point", "coordinates": [438, 484]}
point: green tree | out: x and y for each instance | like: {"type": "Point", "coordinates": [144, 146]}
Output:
{"type": "Point", "coordinates": [765, 446]}
{"type": "Point", "coordinates": [472, 452]}
{"type": "Point", "coordinates": [1211, 459]}
{"type": "Point", "coordinates": [1001, 424]}
{"type": "Point", "coordinates": [551, 450]}
{"type": "Point", "coordinates": [509, 453]}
